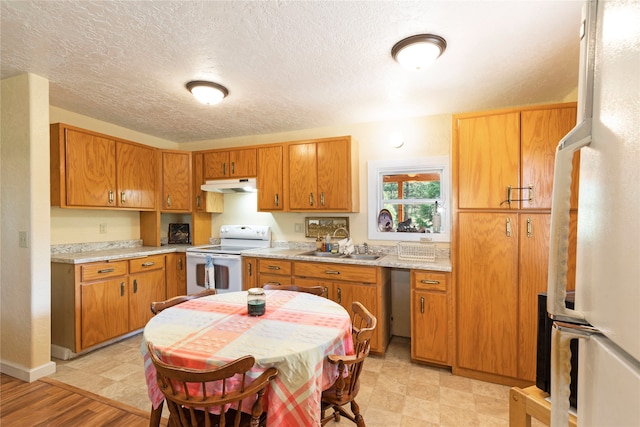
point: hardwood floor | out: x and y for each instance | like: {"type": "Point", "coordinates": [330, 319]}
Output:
{"type": "Point", "coordinates": [47, 402]}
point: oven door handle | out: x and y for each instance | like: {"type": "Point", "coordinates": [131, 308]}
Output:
{"type": "Point", "coordinates": [212, 255]}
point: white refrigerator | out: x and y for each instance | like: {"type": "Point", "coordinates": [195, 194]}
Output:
{"type": "Point", "coordinates": [606, 319]}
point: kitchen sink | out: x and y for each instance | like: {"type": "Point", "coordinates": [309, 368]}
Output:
{"type": "Point", "coordinates": [321, 254]}
{"type": "Point", "coordinates": [363, 257]}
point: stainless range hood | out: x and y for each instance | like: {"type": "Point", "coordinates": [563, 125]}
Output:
{"type": "Point", "coordinates": [242, 185]}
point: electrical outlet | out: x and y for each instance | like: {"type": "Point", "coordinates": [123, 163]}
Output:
{"type": "Point", "coordinates": [103, 228]}
{"type": "Point", "coordinates": [23, 239]}
{"type": "Point", "coordinates": [299, 228]}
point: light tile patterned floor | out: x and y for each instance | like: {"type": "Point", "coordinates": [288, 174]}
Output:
{"type": "Point", "coordinates": [394, 391]}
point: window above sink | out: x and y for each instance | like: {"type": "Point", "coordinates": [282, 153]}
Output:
{"type": "Point", "coordinates": [403, 198]}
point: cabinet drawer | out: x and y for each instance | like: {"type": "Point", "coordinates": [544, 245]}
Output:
{"type": "Point", "coordinates": [103, 270]}
{"type": "Point", "coordinates": [431, 281]}
{"type": "Point", "coordinates": [274, 266]}
{"type": "Point", "coordinates": [337, 272]}
{"type": "Point", "coordinates": [147, 263]}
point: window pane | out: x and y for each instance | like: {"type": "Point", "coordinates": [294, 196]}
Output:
{"type": "Point", "coordinates": [416, 217]}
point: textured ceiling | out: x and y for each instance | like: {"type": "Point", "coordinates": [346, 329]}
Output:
{"type": "Point", "coordinates": [287, 65]}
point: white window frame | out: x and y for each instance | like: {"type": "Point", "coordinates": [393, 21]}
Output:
{"type": "Point", "coordinates": [378, 168]}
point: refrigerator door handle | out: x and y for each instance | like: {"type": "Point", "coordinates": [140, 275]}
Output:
{"type": "Point", "coordinates": [577, 138]}
{"type": "Point", "coordinates": [561, 336]}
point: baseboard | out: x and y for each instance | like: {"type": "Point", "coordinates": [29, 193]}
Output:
{"type": "Point", "coordinates": [25, 374]}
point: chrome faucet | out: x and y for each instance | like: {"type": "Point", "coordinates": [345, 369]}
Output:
{"type": "Point", "coordinates": [366, 247]}
{"type": "Point", "coordinates": [341, 228]}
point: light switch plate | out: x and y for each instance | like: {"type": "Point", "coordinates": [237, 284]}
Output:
{"type": "Point", "coordinates": [23, 239]}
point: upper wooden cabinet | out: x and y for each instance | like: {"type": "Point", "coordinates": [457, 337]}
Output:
{"type": "Point", "coordinates": [270, 178]}
{"type": "Point", "coordinates": [323, 175]}
{"type": "Point", "coordinates": [176, 180]}
{"type": "Point", "coordinates": [239, 163]}
{"type": "Point", "coordinates": [505, 160]}
{"type": "Point", "coordinates": [92, 170]}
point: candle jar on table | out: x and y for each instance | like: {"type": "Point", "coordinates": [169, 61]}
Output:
{"type": "Point", "coordinates": [256, 302]}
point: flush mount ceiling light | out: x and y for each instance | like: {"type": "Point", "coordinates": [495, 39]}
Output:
{"type": "Point", "coordinates": [207, 92]}
{"type": "Point", "coordinates": [418, 52]}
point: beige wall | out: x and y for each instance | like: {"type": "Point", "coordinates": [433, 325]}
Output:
{"type": "Point", "coordinates": [25, 285]}
{"type": "Point", "coordinates": [424, 136]}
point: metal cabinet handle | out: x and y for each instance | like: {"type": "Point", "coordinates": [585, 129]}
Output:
{"type": "Point", "coordinates": [531, 194]}
{"type": "Point", "coordinates": [135, 286]}
{"type": "Point", "coordinates": [250, 269]}
{"type": "Point", "coordinates": [509, 194]}
{"type": "Point", "coordinates": [168, 200]}
{"type": "Point", "coordinates": [508, 227]}
{"type": "Point", "coordinates": [277, 200]}
{"type": "Point", "coordinates": [529, 228]}
{"type": "Point", "coordinates": [273, 267]}
{"type": "Point", "coordinates": [224, 169]}
{"type": "Point", "coordinates": [121, 289]}
{"type": "Point", "coordinates": [111, 198]}
{"type": "Point", "coordinates": [179, 263]}
{"type": "Point", "coordinates": [198, 201]}
{"type": "Point", "coordinates": [106, 270]}
{"type": "Point", "coordinates": [233, 168]}
{"type": "Point", "coordinates": [430, 282]}
{"type": "Point", "coordinates": [331, 272]}
{"type": "Point", "coordinates": [310, 199]}
{"type": "Point", "coordinates": [326, 292]}
{"type": "Point", "coordinates": [421, 304]}
{"type": "Point", "coordinates": [148, 264]}
{"type": "Point", "coordinates": [339, 295]}
{"type": "Point", "coordinates": [322, 198]}
{"type": "Point", "coordinates": [274, 283]}
{"type": "Point", "coordinates": [122, 198]}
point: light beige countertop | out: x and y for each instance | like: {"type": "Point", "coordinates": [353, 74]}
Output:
{"type": "Point", "coordinates": [388, 260]}
{"type": "Point", "coordinates": [115, 254]}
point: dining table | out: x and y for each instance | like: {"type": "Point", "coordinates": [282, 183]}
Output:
{"type": "Point", "coordinates": [295, 335]}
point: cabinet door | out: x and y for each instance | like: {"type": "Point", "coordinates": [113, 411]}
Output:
{"type": "Point", "coordinates": [136, 176]}
{"type": "Point", "coordinates": [488, 151]}
{"type": "Point", "coordinates": [429, 321]}
{"type": "Point", "coordinates": [176, 274]}
{"type": "Point", "coordinates": [216, 165]}
{"type": "Point", "coordinates": [487, 292]}
{"type": "Point", "coordinates": [198, 180]}
{"type": "Point", "coordinates": [541, 132]}
{"type": "Point", "coordinates": [329, 289]}
{"type": "Point", "coordinates": [270, 184]}
{"type": "Point", "coordinates": [534, 263]}
{"type": "Point", "coordinates": [346, 293]}
{"type": "Point", "coordinates": [303, 177]}
{"type": "Point", "coordinates": [145, 288]}
{"type": "Point", "coordinates": [243, 163]}
{"type": "Point", "coordinates": [90, 169]}
{"type": "Point", "coordinates": [334, 179]}
{"type": "Point", "coordinates": [176, 181]}
{"type": "Point", "coordinates": [249, 273]}
{"type": "Point", "coordinates": [104, 311]}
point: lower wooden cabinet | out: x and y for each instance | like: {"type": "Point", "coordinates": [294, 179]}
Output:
{"type": "Point", "coordinates": [273, 271]}
{"type": "Point", "coordinates": [95, 302]}
{"type": "Point", "coordinates": [346, 283]}
{"type": "Point", "coordinates": [176, 274]}
{"type": "Point", "coordinates": [430, 319]}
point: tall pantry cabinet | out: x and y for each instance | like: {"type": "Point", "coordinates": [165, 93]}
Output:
{"type": "Point", "coordinates": [502, 179]}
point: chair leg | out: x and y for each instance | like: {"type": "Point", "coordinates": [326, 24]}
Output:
{"type": "Point", "coordinates": [355, 409]}
{"type": "Point", "coordinates": [156, 414]}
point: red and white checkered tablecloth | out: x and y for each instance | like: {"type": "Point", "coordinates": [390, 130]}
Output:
{"type": "Point", "coordinates": [295, 335]}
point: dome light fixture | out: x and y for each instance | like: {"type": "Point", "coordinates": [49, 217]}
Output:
{"type": "Point", "coordinates": [207, 92]}
{"type": "Point", "coordinates": [419, 51]}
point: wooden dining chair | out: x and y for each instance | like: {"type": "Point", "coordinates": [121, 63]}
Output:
{"type": "Point", "coordinates": [315, 290]}
{"type": "Point", "coordinates": [204, 397]}
{"type": "Point", "coordinates": [157, 307]}
{"type": "Point", "coordinates": [345, 389]}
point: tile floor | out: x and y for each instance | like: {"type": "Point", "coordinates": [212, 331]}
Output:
{"type": "Point", "coordinates": [394, 392]}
